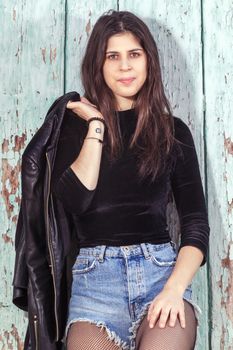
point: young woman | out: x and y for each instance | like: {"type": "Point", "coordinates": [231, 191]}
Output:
{"type": "Point", "coordinates": [121, 154]}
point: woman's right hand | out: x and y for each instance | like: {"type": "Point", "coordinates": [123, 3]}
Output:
{"type": "Point", "coordinates": [84, 109]}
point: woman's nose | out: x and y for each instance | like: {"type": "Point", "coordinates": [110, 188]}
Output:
{"type": "Point", "coordinates": [124, 64]}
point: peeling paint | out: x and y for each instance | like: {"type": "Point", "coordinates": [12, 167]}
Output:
{"type": "Point", "coordinates": [19, 142]}
{"type": "Point", "coordinates": [9, 338]}
{"type": "Point", "coordinates": [15, 334]}
{"type": "Point", "coordinates": [5, 146]}
{"type": "Point", "coordinates": [5, 339]}
{"type": "Point", "coordinates": [227, 302]}
{"type": "Point", "coordinates": [230, 206]}
{"type": "Point", "coordinates": [53, 54]}
{"type": "Point", "coordinates": [219, 283]}
{"type": "Point", "coordinates": [14, 14]}
{"type": "Point", "coordinates": [43, 51]}
{"type": "Point", "coordinates": [222, 340]}
{"type": "Point", "coordinates": [15, 218]}
{"type": "Point", "coordinates": [228, 144]}
{"type": "Point", "coordinates": [18, 54]}
{"type": "Point", "coordinates": [10, 183]}
{"type": "Point", "coordinates": [225, 176]}
{"type": "Point", "coordinates": [88, 27]}
{"type": "Point", "coordinates": [7, 239]}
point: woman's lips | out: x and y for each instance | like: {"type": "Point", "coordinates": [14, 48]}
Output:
{"type": "Point", "coordinates": [126, 81]}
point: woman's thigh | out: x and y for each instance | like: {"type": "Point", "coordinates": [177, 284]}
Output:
{"type": "Point", "coordinates": [168, 338]}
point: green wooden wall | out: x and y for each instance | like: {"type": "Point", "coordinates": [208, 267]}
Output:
{"type": "Point", "coordinates": [41, 43]}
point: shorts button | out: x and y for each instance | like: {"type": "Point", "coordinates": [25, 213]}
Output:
{"type": "Point", "coordinates": [125, 248]}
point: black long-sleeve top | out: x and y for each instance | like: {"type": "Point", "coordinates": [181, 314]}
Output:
{"type": "Point", "coordinates": [120, 210]}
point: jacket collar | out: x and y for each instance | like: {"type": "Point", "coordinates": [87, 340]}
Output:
{"type": "Point", "coordinates": [57, 111]}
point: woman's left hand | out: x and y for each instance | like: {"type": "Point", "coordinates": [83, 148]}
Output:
{"type": "Point", "coordinates": [167, 301]}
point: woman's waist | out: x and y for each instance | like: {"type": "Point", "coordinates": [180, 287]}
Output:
{"type": "Point", "coordinates": [120, 226]}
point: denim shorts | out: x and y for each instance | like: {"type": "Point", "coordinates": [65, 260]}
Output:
{"type": "Point", "coordinates": [113, 287]}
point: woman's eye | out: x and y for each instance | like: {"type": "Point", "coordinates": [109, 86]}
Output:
{"type": "Point", "coordinates": [135, 54]}
{"type": "Point", "coordinates": [112, 57]}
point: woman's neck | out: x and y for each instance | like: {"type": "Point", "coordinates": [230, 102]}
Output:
{"type": "Point", "coordinates": [125, 106]}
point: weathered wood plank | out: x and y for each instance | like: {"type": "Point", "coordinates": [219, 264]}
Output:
{"type": "Point", "coordinates": [32, 64]}
{"type": "Point", "coordinates": [176, 27]}
{"type": "Point", "coordinates": [218, 44]}
{"type": "Point", "coordinates": [81, 16]}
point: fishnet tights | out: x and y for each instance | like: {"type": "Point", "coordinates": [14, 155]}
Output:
{"type": "Point", "coordinates": [169, 338]}
{"type": "Point", "coordinates": [86, 336]}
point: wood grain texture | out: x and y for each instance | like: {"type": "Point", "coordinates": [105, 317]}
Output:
{"type": "Point", "coordinates": [31, 75]}
{"type": "Point", "coordinates": [81, 16]}
{"type": "Point", "coordinates": [218, 44]}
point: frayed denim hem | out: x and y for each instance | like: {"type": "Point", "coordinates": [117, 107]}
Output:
{"type": "Point", "coordinates": [111, 335]}
{"type": "Point", "coordinates": [135, 325]}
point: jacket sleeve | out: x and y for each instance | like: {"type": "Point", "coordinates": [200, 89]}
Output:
{"type": "Point", "coordinates": [20, 279]}
{"type": "Point", "coordinates": [188, 192]}
{"type": "Point", "coordinates": [66, 186]}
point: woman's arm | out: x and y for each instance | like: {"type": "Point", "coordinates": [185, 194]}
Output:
{"type": "Point", "coordinates": [77, 163]}
{"type": "Point", "coordinates": [190, 202]}
{"type": "Point", "coordinates": [87, 164]}
{"type": "Point", "coordinates": [188, 262]}
{"type": "Point", "coordinates": [170, 298]}
{"type": "Point", "coordinates": [189, 195]}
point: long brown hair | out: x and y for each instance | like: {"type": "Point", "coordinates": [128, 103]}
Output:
{"type": "Point", "coordinates": [153, 136]}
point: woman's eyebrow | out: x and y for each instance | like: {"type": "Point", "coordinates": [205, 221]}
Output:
{"type": "Point", "coordinates": [136, 49]}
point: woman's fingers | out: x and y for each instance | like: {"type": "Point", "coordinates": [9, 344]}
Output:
{"type": "Point", "coordinates": [165, 309]}
{"type": "Point", "coordinates": [173, 317]}
{"type": "Point", "coordinates": [182, 318]}
{"type": "Point", "coordinates": [83, 108]}
{"type": "Point", "coordinates": [154, 315]}
{"type": "Point", "coordinates": [168, 304]}
{"type": "Point", "coordinates": [164, 313]}
{"type": "Point", "coordinates": [71, 105]}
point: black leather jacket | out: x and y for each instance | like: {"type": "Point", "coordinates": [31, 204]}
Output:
{"type": "Point", "coordinates": [45, 242]}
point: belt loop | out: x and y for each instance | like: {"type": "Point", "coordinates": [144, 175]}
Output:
{"type": "Point", "coordinates": [145, 250]}
{"type": "Point", "coordinates": [101, 253]}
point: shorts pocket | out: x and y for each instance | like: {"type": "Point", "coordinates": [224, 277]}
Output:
{"type": "Point", "coordinates": [164, 256]}
{"type": "Point", "coordinates": [84, 265]}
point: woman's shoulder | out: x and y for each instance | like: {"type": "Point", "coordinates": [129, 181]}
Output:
{"type": "Point", "coordinates": [182, 131]}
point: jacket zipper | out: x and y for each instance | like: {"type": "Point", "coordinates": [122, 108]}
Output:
{"type": "Point", "coordinates": [51, 252]}
{"type": "Point", "coordinates": [35, 321]}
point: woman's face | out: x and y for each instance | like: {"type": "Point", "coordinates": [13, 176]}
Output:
{"type": "Point", "coordinates": [125, 59]}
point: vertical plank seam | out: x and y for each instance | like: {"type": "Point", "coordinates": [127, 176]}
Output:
{"type": "Point", "coordinates": [209, 293]}
{"type": "Point", "coordinates": [65, 47]}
